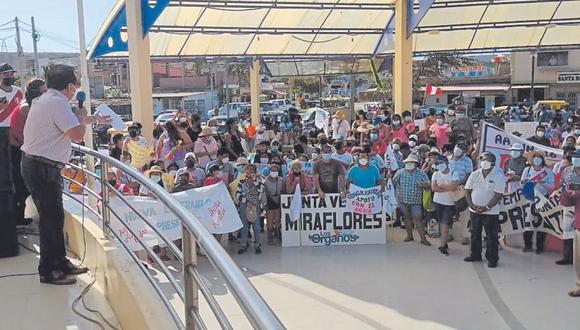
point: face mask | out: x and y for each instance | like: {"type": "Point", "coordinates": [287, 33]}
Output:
{"type": "Point", "coordinates": [182, 120]}
{"type": "Point", "coordinates": [264, 160]}
{"type": "Point", "coordinates": [450, 112]}
{"type": "Point", "coordinates": [326, 156]}
{"type": "Point", "coordinates": [439, 121]}
{"type": "Point", "coordinates": [410, 166]}
{"type": "Point", "coordinates": [127, 162]}
{"type": "Point", "coordinates": [225, 160]}
{"type": "Point", "coordinates": [8, 81]}
{"type": "Point", "coordinates": [457, 151]}
{"type": "Point", "coordinates": [540, 133]}
{"type": "Point", "coordinates": [374, 136]}
{"type": "Point", "coordinates": [98, 172]}
{"type": "Point", "coordinates": [577, 132]}
{"type": "Point", "coordinates": [240, 169]}
{"type": "Point", "coordinates": [183, 182]}
{"type": "Point", "coordinates": [485, 164]}
{"type": "Point", "coordinates": [133, 134]}
{"type": "Point", "coordinates": [156, 178]}
{"type": "Point", "coordinates": [220, 174]}
{"type": "Point", "coordinates": [190, 163]}
{"type": "Point", "coordinates": [396, 122]}
{"type": "Point", "coordinates": [460, 115]}
{"type": "Point", "coordinates": [113, 182]}
{"type": "Point", "coordinates": [407, 118]}
{"type": "Point", "coordinates": [441, 167]}
{"type": "Point", "coordinates": [275, 148]}
{"type": "Point", "coordinates": [576, 162]}
{"type": "Point", "coordinates": [274, 174]}
{"type": "Point", "coordinates": [363, 161]}
{"type": "Point", "coordinates": [314, 156]}
{"type": "Point", "coordinates": [396, 147]}
{"type": "Point", "coordinates": [173, 172]}
{"type": "Point", "coordinates": [537, 161]}
{"type": "Point", "coordinates": [515, 153]}
{"type": "Point", "coordinates": [412, 144]}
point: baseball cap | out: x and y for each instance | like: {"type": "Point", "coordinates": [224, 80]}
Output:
{"type": "Point", "coordinates": [517, 146]}
{"type": "Point", "coordinates": [5, 67]}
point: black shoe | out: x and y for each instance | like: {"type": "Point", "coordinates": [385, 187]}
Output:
{"type": "Point", "coordinates": [243, 249]}
{"type": "Point", "coordinates": [24, 222]}
{"type": "Point", "coordinates": [69, 269]}
{"type": "Point", "coordinates": [527, 249]}
{"type": "Point", "coordinates": [443, 250]}
{"type": "Point", "coordinates": [492, 264]}
{"type": "Point", "coordinates": [471, 259]}
{"type": "Point", "coordinates": [539, 251]}
{"type": "Point", "coordinates": [564, 262]}
{"type": "Point", "coordinates": [57, 277]}
{"type": "Point", "coordinates": [231, 237]}
{"type": "Point", "coordinates": [258, 249]}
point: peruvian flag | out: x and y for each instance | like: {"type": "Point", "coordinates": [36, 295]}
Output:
{"type": "Point", "coordinates": [432, 90]}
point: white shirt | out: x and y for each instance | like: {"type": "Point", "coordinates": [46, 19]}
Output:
{"type": "Point", "coordinates": [484, 188]}
{"type": "Point", "coordinates": [340, 128]}
{"type": "Point", "coordinates": [9, 96]}
{"type": "Point", "coordinates": [49, 118]}
{"type": "Point", "coordinates": [345, 158]}
{"type": "Point", "coordinates": [444, 198]}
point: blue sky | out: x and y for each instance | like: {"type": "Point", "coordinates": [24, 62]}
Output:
{"type": "Point", "coordinates": [56, 21]}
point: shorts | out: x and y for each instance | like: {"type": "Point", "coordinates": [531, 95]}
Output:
{"type": "Point", "coordinates": [414, 210]}
{"type": "Point", "coordinates": [445, 213]}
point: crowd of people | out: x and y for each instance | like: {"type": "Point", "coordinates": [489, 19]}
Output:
{"type": "Point", "coordinates": [436, 169]}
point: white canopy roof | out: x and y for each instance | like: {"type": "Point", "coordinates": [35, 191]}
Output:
{"type": "Point", "coordinates": [342, 28]}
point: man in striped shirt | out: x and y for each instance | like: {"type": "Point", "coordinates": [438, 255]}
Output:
{"type": "Point", "coordinates": [48, 132]}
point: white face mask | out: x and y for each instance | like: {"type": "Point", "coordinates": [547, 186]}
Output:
{"type": "Point", "coordinates": [396, 147]}
{"type": "Point", "coordinates": [439, 121]}
{"type": "Point", "coordinates": [410, 166]}
{"type": "Point", "coordinates": [182, 120]}
{"type": "Point", "coordinates": [412, 144]}
{"type": "Point", "coordinates": [173, 172]}
{"type": "Point", "coordinates": [450, 112]}
{"type": "Point", "coordinates": [264, 160]}
{"type": "Point", "coordinates": [577, 132]}
{"type": "Point", "coordinates": [441, 167]}
{"type": "Point", "coordinates": [457, 151]}
{"type": "Point", "coordinates": [225, 160]}
{"type": "Point", "coordinates": [314, 156]}
{"type": "Point", "coordinates": [396, 122]}
{"type": "Point", "coordinates": [274, 174]}
{"type": "Point", "coordinates": [155, 178]}
{"type": "Point", "coordinates": [364, 161]}
{"type": "Point", "coordinates": [485, 164]}
{"type": "Point", "coordinates": [540, 133]}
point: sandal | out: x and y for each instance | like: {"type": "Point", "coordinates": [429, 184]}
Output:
{"type": "Point", "coordinates": [574, 293]}
{"type": "Point", "coordinates": [425, 242]}
{"type": "Point", "coordinates": [408, 239]}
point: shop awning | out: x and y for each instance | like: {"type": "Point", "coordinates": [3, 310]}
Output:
{"type": "Point", "coordinates": [529, 86]}
{"type": "Point", "coordinates": [472, 88]}
{"type": "Point", "coordinates": [309, 29]}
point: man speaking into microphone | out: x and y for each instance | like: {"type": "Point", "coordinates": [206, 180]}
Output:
{"type": "Point", "coordinates": [48, 132]}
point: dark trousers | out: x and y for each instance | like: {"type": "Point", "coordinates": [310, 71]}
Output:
{"type": "Point", "coordinates": [489, 223]}
{"type": "Point", "coordinates": [45, 185]}
{"type": "Point", "coordinates": [8, 237]}
{"type": "Point", "coordinates": [568, 250]}
{"type": "Point", "coordinates": [20, 191]}
{"type": "Point", "coordinates": [540, 238]}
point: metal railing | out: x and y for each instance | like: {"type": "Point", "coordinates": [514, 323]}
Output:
{"type": "Point", "coordinates": [249, 300]}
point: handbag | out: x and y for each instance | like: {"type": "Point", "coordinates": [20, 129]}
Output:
{"type": "Point", "coordinates": [428, 200]}
{"type": "Point", "coordinates": [251, 212]}
{"type": "Point", "coordinates": [459, 194]}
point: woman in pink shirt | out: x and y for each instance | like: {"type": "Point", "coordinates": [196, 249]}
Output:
{"type": "Point", "coordinates": [398, 130]}
{"type": "Point", "coordinates": [205, 148]}
{"type": "Point", "coordinates": [439, 130]}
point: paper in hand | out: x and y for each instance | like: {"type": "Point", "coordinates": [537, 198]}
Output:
{"type": "Point", "coordinates": [116, 121]}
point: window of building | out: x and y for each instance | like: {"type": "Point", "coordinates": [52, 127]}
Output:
{"type": "Point", "coordinates": [552, 59]}
{"type": "Point", "coordinates": [450, 98]}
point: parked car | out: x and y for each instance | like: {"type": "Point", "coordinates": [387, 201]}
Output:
{"type": "Point", "coordinates": [281, 104]}
{"type": "Point", "coordinates": [164, 117]}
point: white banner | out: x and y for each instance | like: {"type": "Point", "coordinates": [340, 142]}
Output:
{"type": "Point", "coordinates": [212, 205]}
{"type": "Point", "coordinates": [389, 198]}
{"type": "Point", "coordinates": [498, 142]}
{"type": "Point", "coordinates": [526, 128]}
{"type": "Point", "coordinates": [519, 214]}
{"type": "Point", "coordinates": [364, 200]}
{"type": "Point", "coordinates": [326, 222]}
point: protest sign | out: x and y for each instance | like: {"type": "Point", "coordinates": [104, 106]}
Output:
{"type": "Point", "coordinates": [518, 214]}
{"type": "Point", "coordinates": [364, 200]}
{"type": "Point", "coordinates": [498, 142]}
{"type": "Point", "coordinates": [526, 129]}
{"type": "Point", "coordinates": [116, 121]}
{"type": "Point", "coordinates": [327, 222]}
{"type": "Point", "coordinates": [555, 214]}
{"type": "Point", "coordinates": [421, 124]}
{"type": "Point", "coordinates": [212, 205]}
{"type": "Point", "coordinates": [321, 119]}
{"type": "Point", "coordinates": [389, 198]}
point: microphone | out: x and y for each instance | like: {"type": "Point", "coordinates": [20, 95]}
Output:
{"type": "Point", "coordinates": [81, 97]}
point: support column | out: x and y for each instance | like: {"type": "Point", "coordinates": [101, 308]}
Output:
{"type": "Point", "coordinates": [140, 69]}
{"type": "Point", "coordinates": [255, 91]}
{"type": "Point", "coordinates": [352, 84]}
{"type": "Point", "coordinates": [403, 61]}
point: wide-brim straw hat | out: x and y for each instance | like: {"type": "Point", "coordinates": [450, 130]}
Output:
{"type": "Point", "coordinates": [206, 131]}
{"type": "Point", "coordinates": [153, 169]}
{"type": "Point", "coordinates": [412, 159]}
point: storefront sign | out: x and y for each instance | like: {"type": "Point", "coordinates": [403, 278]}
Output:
{"type": "Point", "coordinates": [471, 93]}
{"type": "Point", "coordinates": [568, 77]}
{"type": "Point", "coordinates": [479, 70]}
{"type": "Point", "coordinates": [326, 222]}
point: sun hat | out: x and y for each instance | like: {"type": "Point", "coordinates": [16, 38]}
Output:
{"type": "Point", "coordinates": [411, 159]}
{"type": "Point", "coordinates": [206, 131]}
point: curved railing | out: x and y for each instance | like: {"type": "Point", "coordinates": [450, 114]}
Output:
{"type": "Point", "coordinates": [249, 300]}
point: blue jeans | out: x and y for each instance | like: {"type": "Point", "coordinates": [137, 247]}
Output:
{"type": "Point", "coordinates": [445, 213]}
{"type": "Point", "coordinates": [256, 227]}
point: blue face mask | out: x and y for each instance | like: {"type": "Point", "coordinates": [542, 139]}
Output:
{"type": "Point", "coordinates": [275, 148]}
{"type": "Point", "coordinates": [374, 136]}
{"type": "Point", "coordinates": [576, 162]}
{"type": "Point", "coordinates": [515, 153]}
{"type": "Point", "coordinates": [441, 167]}
{"type": "Point", "coordinates": [326, 156]}
{"type": "Point", "coordinates": [537, 161]}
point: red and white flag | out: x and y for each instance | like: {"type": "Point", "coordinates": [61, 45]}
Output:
{"type": "Point", "coordinates": [432, 90]}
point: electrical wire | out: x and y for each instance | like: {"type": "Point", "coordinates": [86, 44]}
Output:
{"type": "Point", "coordinates": [17, 275]}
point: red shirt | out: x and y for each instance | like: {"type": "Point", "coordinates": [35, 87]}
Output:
{"type": "Point", "coordinates": [379, 147]}
{"type": "Point", "coordinates": [17, 121]}
{"type": "Point", "coordinates": [210, 180]}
